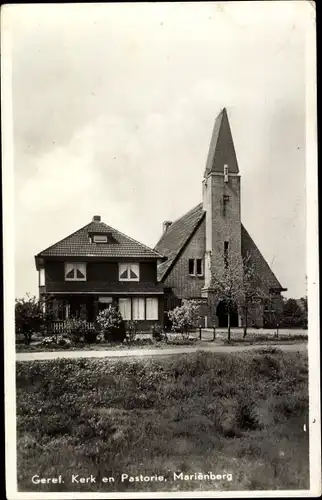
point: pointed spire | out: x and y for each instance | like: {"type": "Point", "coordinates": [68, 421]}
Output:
{"type": "Point", "coordinates": [221, 149]}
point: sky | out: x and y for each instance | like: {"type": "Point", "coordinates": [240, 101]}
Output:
{"type": "Point", "coordinates": [113, 108]}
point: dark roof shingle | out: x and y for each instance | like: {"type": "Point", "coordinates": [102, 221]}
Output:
{"type": "Point", "coordinates": [78, 245]}
{"type": "Point", "coordinates": [176, 236]}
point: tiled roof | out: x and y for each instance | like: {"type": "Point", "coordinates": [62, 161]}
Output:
{"type": "Point", "coordinates": [257, 260]}
{"type": "Point", "coordinates": [174, 239]}
{"type": "Point", "coordinates": [176, 236]}
{"type": "Point", "coordinates": [79, 245]}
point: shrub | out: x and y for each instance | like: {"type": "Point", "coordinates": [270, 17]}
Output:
{"type": "Point", "coordinates": [131, 330]}
{"type": "Point", "coordinates": [185, 316]}
{"type": "Point", "coordinates": [28, 317]}
{"type": "Point", "coordinates": [49, 341]}
{"type": "Point", "coordinates": [77, 329]}
{"type": "Point", "coordinates": [157, 332]}
{"type": "Point", "coordinates": [64, 342]}
{"type": "Point", "coordinates": [111, 325]}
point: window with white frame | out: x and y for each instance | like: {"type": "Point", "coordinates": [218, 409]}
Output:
{"type": "Point", "coordinates": [42, 277]}
{"type": "Point", "coordinates": [100, 238]}
{"type": "Point", "coordinates": [152, 308]}
{"type": "Point", "coordinates": [195, 267]}
{"type": "Point", "coordinates": [138, 308]}
{"type": "Point", "coordinates": [75, 271]}
{"type": "Point", "coordinates": [129, 272]}
{"type": "Point", "coordinates": [125, 308]}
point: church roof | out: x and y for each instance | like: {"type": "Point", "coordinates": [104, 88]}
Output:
{"type": "Point", "coordinates": [221, 150]}
{"type": "Point", "coordinates": [176, 237]}
{"type": "Point", "coordinates": [78, 244]}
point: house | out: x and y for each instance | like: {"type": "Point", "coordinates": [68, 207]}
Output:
{"type": "Point", "coordinates": [97, 266]}
{"type": "Point", "coordinates": [197, 244]}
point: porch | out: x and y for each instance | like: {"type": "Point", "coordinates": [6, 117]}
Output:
{"type": "Point", "coordinates": [146, 310]}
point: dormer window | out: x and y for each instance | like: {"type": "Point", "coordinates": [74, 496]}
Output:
{"type": "Point", "coordinates": [75, 271]}
{"type": "Point", "coordinates": [129, 272]}
{"type": "Point", "coordinates": [100, 238]}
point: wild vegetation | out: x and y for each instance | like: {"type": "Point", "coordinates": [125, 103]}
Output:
{"type": "Point", "coordinates": [241, 414]}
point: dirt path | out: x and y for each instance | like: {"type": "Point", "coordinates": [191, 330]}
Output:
{"type": "Point", "coordinates": [125, 353]}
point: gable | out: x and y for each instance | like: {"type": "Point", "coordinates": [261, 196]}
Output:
{"type": "Point", "coordinates": [178, 278]}
{"type": "Point", "coordinates": [173, 241]}
{"type": "Point", "coordinates": [256, 260]}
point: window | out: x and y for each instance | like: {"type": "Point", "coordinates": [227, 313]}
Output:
{"type": "Point", "coordinates": [195, 267]}
{"type": "Point", "coordinates": [138, 308]}
{"type": "Point", "coordinates": [99, 238]}
{"type": "Point", "coordinates": [152, 308]}
{"type": "Point", "coordinates": [226, 253]}
{"type": "Point", "coordinates": [225, 203]}
{"type": "Point", "coordinates": [129, 272]}
{"type": "Point", "coordinates": [75, 271]}
{"type": "Point", "coordinates": [192, 267]}
{"type": "Point", "coordinates": [199, 270]}
{"type": "Point", "coordinates": [42, 277]}
{"type": "Point", "coordinates": [125, 308]}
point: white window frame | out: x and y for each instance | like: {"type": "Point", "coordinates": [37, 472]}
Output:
{"type": "Point", "coordinates": [194, 267]}
{"type": "Point", "coordinates": [42, 277]}
{"type": "Point", "coordinates": [82, 268]}
{"type": "Point", "coordinates": [199, 274]}
{"type": "Point", "coordinates": [126, 301]}
{"type": "Point", "coordinates": [99, 238]}
{"type": "Point", "coordinates": [123, 265]}
{"type": "Point", "coordinates": [140, 301]}
{"type": "Point", "coordinates": [148, 316]}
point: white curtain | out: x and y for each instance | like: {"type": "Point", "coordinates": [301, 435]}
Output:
{"type": "Point", "coordinates": [138, 308]}
{"type": "Point", "coordinates": [125, 308]}
{"type": "Point", "coordinates": [152, 308]}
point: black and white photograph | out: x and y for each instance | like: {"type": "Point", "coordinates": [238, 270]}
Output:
{"type": "Point", "coordinates": [161, 319]}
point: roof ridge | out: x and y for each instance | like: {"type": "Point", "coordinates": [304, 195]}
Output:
{"type": "Point", "coordinates": [177, 220]}
{"type": "Point", "coordinates": [63, 239]}
{"type": "Point", "coordinates": [132, 239]}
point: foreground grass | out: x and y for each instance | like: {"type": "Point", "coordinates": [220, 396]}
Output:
{"type": "Point", "coordinates": [241, 414]}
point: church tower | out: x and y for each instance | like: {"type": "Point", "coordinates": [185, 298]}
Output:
{"type": "Point", "coordinates": [221, 202]}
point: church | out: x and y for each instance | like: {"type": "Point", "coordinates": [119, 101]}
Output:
{"type": "Point", "coordinates": [196, 245]}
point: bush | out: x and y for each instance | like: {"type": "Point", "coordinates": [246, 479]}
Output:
{"type": "Point", "coordinates": [29, 317]}
{"type": "Point", "coordinates": [49, 341]}
{"type": "Point", "coordinates": [78, 330]}
{"type": "Point", "coordinates": [157, 333]}
{"type": "Point", "coordinates": [131, 330]}
{"type": "Point", "coordinates": [111, 325]}
{"type": "Point", "coordinates": [185, 316]}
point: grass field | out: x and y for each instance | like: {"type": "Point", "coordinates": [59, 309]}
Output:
{"type": "Point", "coordinates": [240, 414]}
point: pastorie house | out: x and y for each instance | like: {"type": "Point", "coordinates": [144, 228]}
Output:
{"type": "Point", "coordinates": [97, 265]}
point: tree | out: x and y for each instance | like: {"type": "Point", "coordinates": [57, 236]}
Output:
{"type": "Point", "coordinates": [228, 283]}
{"type": "Point", "coordinates": [254, 289]}
{"type": "Point", "coordinates": [185, 316]}
{"type": "Point", "coordinates": [294, 313]}
{"type": "Point", "coordinates": [29, 316]}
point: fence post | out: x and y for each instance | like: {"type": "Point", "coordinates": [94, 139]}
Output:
{"type": "Point", "coordinates": [199, 332]}
{"type": "Point", "coordinates": [214, 330]}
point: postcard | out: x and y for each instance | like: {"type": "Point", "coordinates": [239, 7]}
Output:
{"type": "Point", "coordinates": [161, 284]}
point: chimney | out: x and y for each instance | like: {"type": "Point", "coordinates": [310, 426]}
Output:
{"type": "Point", "coordinates": [97, 218]}
{"type": "Point", "coordinates": [166, 225]}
